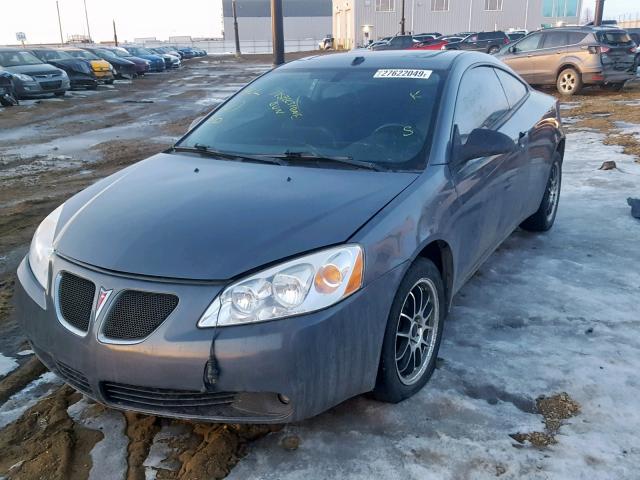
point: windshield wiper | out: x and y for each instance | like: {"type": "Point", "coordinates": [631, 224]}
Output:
{"type": "Point", "coordinates": [345, 160]}
{"type": "Point", "coordinates": [204, 149]}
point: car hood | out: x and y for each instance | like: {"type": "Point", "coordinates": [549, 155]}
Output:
{"type": "Point", "coordinates": [33, 69]}
{"type": "Point", "coordinates": [187, 217]}
{"type": "Point", "coordinates": [71, 64]}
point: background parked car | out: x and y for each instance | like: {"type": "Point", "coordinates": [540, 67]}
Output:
{"type": "Point", "coordinates": [157, 62]}
{"type": "Point", "coordinates": [31, 76]}
{"type": "Point", "coordinates": [327, 43]}
{"type": "Point", "coordinates": [435, 44]}
{"type": "Point", "coordinates": [122, 68]}
{"type": "Point", "coordinates": [7, 92]}
{"type": "Point", "coordinates": [101, 68]}
{"type": "Point", "coordinates": [513, 36]}
{"type": "Point", "coordinates": [142, 65]}
{"type": "Point", "coordinates": [399, 42]}
{"type": "Point", "coordinates": [570, 57]}
{"type": "Point", "coordinates": [488, 42]}
{"type": "Point", "coordinates": [170, 61]}
{"type": "Point", "coordinates": [187, 52]}
{"type": "Point", "coordinates": [634, 33]}
{"type": "Point", "coordinates": [78, 70]}
{"type": "Point", "coordinates": [170, 51]}
{"type": "Point", "coordinates": [423, 37]}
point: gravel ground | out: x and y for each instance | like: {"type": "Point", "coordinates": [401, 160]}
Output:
{"type": "Point", "coordinates": [538, 371]}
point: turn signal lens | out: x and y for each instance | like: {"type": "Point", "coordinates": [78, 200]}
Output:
{"type": "Point", "coordinates": [355, 282]}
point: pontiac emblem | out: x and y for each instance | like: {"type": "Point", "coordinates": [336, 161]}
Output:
{"type": "Point", "coordinates": [102, 300]}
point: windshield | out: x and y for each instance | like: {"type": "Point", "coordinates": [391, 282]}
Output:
{"type": "Point", "coordinates": [52, 55]}
{"type": "Point", "coordinates": [83, 54]}
{"type": "Point", "coordinates": [615, 38]}
{"type": "Point", "coordinates": [16, 58]}
{"type": "Point", "coordinates": [378, 116]}
{"type": "Point", "coordinates": [106, 53]}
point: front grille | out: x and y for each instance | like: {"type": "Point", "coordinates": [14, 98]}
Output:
{"type": "Point", "coordinates": [135, 315]}
{"type": "Point", "coordinates": [51, 85]}
{"type": "Point", "coordinates": [46, 75]}
{"type": "Point", "coordinates": [73, 377]}
{"type": "Point", "coordinates": [75, 300]}
{"type": "Point", "coordinates": [184, 402]}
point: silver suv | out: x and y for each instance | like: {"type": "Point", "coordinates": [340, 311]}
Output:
{"type": "Point", "coordinates": [571, 57]}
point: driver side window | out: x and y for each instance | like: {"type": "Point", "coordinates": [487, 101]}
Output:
{"type": "Point", "coordinates": [481, 101]}
{"type": "Point", "coordinates": [528, 43]}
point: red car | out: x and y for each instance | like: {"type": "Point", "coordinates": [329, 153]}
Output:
{"type": "Point", "coordinates": [435, 44]}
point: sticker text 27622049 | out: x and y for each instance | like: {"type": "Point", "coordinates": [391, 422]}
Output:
{"type": "Point", "coordinates": [402, 73]}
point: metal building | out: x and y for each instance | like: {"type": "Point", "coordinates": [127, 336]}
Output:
{"type": "Point", "coordinates": [303, 19]}
{"type": "Point", "coordinates": [356, 21]}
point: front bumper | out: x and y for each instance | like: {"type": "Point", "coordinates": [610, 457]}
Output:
{"type": "Point", "coordinates": [315, 361]}
{"type": "Point", "coordinates": [104, 75]}
{"type": "Point", "coordinates": [78, 79]}
{"type": "Point", "coordinates": [41, 87]}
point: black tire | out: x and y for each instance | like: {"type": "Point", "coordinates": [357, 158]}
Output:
{"type": "Point", "coordinates": [493, 49]}
{"type": "Point", "coordinates": [543, 219]}
{"type": "Point", "coordinates": [60, 94]}
{"type": "Point", "coordinates": [109, 82]}
{"type": "Point", "coordinates": [390, 387]}
{"type": "Point", "coordinates": [569, 82]}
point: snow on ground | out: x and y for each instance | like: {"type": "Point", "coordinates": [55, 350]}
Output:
{"type": "Point", "coordinates": [109, 455]}
{"type": "Point", "coordinates": [7, 364]}
{"type": "Point", "coordinates": [547, 313]}
{"type": "Point", "coordinates": [26, 398]}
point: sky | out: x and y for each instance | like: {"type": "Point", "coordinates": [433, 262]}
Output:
{"type": "Point", "coordinates": [134, 19]}
{"type": "Point", "coordinates": [148, 18]}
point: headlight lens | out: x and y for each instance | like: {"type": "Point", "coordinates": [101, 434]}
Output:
{"type": "Point", "coordinates": [42, 247]}
{"type": "Point", "coordinates": [23, 77]}
{"type": "Point", "coordinates": [303, 285]}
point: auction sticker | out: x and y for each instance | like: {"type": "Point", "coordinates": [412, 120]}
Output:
{"type": "Point", "coordinates": [402, 73]}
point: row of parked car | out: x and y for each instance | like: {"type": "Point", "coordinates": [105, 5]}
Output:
{"type": "Point", "coordinates": [30, 72]}
{"type": "Point", "coordinates": [568, 57]}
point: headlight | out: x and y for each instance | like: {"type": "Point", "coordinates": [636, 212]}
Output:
{"type": "Point", "coordinates": [23, 77]}
{"type": "Point", "coordinates": [303, 285]}
{"type": "Point", "coordinates": [42, 247]}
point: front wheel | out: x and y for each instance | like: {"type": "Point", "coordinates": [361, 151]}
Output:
{"type": "Point", "coordinates": [413, 334]}
{"type": "Point", "coordinates": [543, 219]}
{"type": "Point", "coordinates": [60, 94]}
{"type": "Point", "coordinates": [569, 82]}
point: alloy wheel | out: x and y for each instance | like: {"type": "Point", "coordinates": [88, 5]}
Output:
{"type": "Point", "coordinates": [417, 331]}
{"type": "Point", "coordinates": [568, 82]}
{"type": "Point", "coordinates": [553, 191]}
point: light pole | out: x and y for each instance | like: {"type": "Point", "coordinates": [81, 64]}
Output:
{"type": "Point", "coordinates": [86, 16]}
{"type": "Point", "coordinates": [115, 33]}
{"type": "Point", "coordinates": [402, 20]}
{"type": "Point", "coordinates": [277, 32]}
{"type": "Point", "coordinates": [597, 17]}
{"type": "Point", "coordinates": [59, 23]}
{"type": "Point", "coordinates": [235, 27]}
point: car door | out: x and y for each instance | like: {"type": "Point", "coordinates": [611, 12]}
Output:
{"type": "Point", "coordinates": [521, 56]}
{"type": "Point", "coordinates": [469, 43]}
{"type": "Point", "coordinates": [480, 183]}
{"type": "Point", "coordinates": [548, 58]}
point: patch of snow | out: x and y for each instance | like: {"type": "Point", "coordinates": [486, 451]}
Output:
{"type": "Point", "coordinates": [26, 398]}
{"type": "Point", "coordinates": [546, 313]}
{"type": "Point", "coordinates": [24, 353]}
{"type": "Point", "coordinates": [109, 455]}
{"type": "Point", "coordinates": [628, 128]}
{"type": "Point", "coordinates": [160, 450]}
{"type": "Point", "coordinates": [7, 364]}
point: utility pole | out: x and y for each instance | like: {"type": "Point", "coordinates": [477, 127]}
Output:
{"type": "Point", "coordinates": [597, 17]}
{"type": "Point", "coordinates": [115, 33]}
{"type": "Point", "coordinates": [86, 16]}
{"type": "Point", "coordinates": [235, 27]}
{"type": "Point", "coordinates": [402, 20]}
{"type": "Point", "coordinates": [277, 32]}
{"type": "Point", "coordinates": [59, 23]}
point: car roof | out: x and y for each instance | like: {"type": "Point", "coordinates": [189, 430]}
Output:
{"type": "Point", "coordinates": [416, 59]}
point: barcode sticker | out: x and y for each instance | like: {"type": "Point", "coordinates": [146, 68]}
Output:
{"type": "Point", "coordinates": [402, 73]}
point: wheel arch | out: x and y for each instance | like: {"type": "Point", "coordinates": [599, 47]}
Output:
{"type": "Point", "coordinates": [564, 65]}
{"type": "Point", "coordinates": [440, 253]}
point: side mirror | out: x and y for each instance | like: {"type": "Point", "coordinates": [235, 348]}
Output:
{"type": "Point", "coordinates": [482, 142]}
{"type": "Point", "coordinates": [513, 49]}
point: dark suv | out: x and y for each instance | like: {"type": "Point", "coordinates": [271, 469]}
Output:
{"type": "Point", "coordinates": [488, 42]}
{"type": "Point", "coordinates": [634, 33]}
{"type": "Point", "coordinates": [570, 57]}
{"type": "Point", "coordinates": [399, 42]}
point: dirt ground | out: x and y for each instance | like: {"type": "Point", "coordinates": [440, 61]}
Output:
{"type": "Point", "coordinates": [51, 149]}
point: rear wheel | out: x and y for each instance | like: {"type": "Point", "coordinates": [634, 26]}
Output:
{"type": "Point", "coordinates": [569, 82]}
{"type": "Point", "coordinates": [413, 334]}
{"type": "Point", "coordinates": [543, 219]}
{"type": "Point", "coordinates": [493, 49]}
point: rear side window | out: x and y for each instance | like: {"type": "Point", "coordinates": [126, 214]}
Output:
{"type": "Point", "coordinates": [490, 35]}
{"type": "Point", "coordinates": [513, 88]}
{"type": "Point", "coordinates": [635, 37]}
{"type": "Point", "coordinates": [555, 39]}
{"type": "Point", "coordinates": [481, 101]}
{"type": "Point", "coordinates": [576, 37]}
{"type": "Point", "coordinates": [615, 38]}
